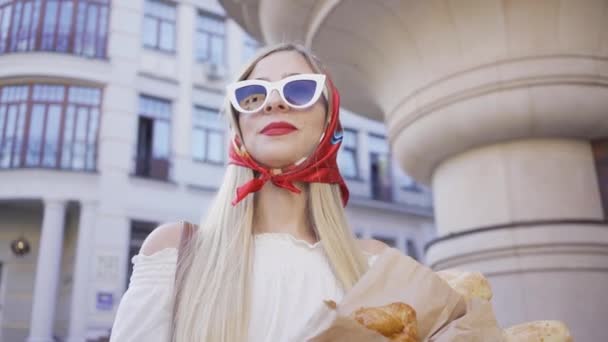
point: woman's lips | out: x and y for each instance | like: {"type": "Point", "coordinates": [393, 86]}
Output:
{"type": "Point", "coordinates": [278, 128]}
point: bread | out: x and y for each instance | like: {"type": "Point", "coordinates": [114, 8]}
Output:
{"type": "Point", "coordinates": [546, 331]}
{"type": "Point", "coordinates": [469, 284]}
{"type": "Point", "coordinates": [396, 321]}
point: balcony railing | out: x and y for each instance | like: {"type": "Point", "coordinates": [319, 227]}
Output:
{"type": "Point", "coordinates": [77, 27]}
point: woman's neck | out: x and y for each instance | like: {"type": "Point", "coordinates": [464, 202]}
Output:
{"type": "Point", "coordinates": [278, 210]}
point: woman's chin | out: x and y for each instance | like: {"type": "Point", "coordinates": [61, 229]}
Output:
{"type": "Point", "coordinates": [276, 163]}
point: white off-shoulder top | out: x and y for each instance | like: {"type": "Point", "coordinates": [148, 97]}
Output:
{"type": "Point", "coordinates": [290, 280]}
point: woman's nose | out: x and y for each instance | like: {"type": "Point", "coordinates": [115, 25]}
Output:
{"type": "Point", "coordinates": [275, 103]}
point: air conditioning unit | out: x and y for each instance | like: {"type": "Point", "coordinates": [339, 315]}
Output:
{"type": "Point", "coordinates": [215, 72]}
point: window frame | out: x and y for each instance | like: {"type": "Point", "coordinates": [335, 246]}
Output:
{"type": "Point", "coordinates": [159, 21]}
{"type": "Point", "coordinates": [354, 152]}
{"type": "Point", "coordinates": [29, 102]}
{"type": "Point", "coordinates": [401, 238]}
{"type": "Point", "coordinates": [35, 37]}
{"type": "Point", "coordinates": [208, 128]}
{"type": "Point", "coordinates": [250, 47]}
{"type": "Point", "coordinates": [153, 172]}
{"type": "Point", "coordinates": [389, 157]}
{"type": "Point", "coordinates": [208, 59]}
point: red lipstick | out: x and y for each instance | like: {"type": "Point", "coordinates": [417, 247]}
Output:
{"type": "Point", "coordinates": [278, 128]}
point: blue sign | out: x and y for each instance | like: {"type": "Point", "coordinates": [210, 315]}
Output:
{"type": "Point", "coordinates": [105, 301]}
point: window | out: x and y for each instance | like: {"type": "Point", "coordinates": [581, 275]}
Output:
{"type": "Point", "coordinates": [250, 47]}
{"type": "Point", "coordinates": [159, 25]}
{"type": "Point", "coordinates": [69, 26]}
{"type": "Point", "coordinates": [49, 126]}
{"type": "Point", "coordinates": [408, 183]}
{"type": "Point", "coordinates": [208, 143]}
{"type": "Point", "coordinates": [380, 168]}
{"type": "Point", "coordinates": [210, 39]}
{"type": "Point", "coordinates": [347, 157]}
{"type": "Point", "coordinates": [139, 231]}
{"type": "Point", "coordinates": [153, 138]}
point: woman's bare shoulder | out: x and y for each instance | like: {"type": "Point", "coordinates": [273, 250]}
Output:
{"type": "Point", "coordinates": [372, 246]}
{"type": "Point", "coordinates": [167, 235]}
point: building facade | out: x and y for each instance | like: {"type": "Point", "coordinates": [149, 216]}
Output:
{"type": "Point", "coordinates": [109, 126]}
{"type": "Point", "coordinates": [500, 106]}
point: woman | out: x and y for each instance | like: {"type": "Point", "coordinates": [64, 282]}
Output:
{"type": "Point", "coordinates": [275, 242]}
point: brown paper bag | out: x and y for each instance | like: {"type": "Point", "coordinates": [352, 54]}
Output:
{"type": "Point", "coordinates": [442, 313]}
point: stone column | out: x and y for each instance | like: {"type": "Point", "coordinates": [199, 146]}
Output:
{"type": "Point", "coordinates": [78, 308]}
{"type": "Point", "coordinates": [47, 271]}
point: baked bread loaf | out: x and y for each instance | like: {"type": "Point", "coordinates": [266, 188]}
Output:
{"type": "Point", "coordinates": [545, 331]}
{"type": "Point", "coordinates": [468, 284]}
{"type": "Point", "coordinates": [396, 321]}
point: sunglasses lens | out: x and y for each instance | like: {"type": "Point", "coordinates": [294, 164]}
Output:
{"type": "Point", "coordinates": [251, 97]}
{"type": "Point", "coordinates": [299, 92]}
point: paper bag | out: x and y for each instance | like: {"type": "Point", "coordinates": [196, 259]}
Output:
{"type": "Point", "coordinates": [442, 313]}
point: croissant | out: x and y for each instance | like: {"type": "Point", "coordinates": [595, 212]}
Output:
{"type": "Point", "coordinates": [396, 321]}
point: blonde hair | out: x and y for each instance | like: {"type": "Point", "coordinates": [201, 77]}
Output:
{"type": "Point", "coordinates": [212, 291]}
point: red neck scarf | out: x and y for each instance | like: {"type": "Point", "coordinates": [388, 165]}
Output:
{"type": "Point", "coordinates": [320, 167]}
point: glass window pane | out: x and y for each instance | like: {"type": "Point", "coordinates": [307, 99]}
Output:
{"type": "Point", "coordinates": [250, 47]}
{"type": "Point", "coordinates": [103, 32]}
{"type": "Point", "coordinates": [206, 117]}
{"type": "Point", "coordinates": [347, 163]}
{"type": "Point", "coordinates": [15, 31]}
{"type": "Point", "coordinates": [90, 35]}
{"type": "Point", "coordinates": [350, 139]}
{"type": "Point", "coordinates": [9, 137]}
{"type": "Point", "coordinates": [198, 144]}
{"type": "Point", "coordinates": [92, 139]}
{"type": "Point", "coordinates": [202, 46]}
{"type": "Point", "coordinates": [19, 135]}
{"type": "Point", "coordinates": [65, 23]}
{"type": "Point", "coordinates": [210, 24]}
{"type": "Point", "coordinates": [215, 149]}
{"type": "Point", "coordinates": [217, 50]}
{"type": "Point", "coordinates": [5, 15]}
{"type": "Point", "coordinates": [23, 34]}
{"type": "Point", "coordinates": [51, 139]}
{"type": "Point", "coordinates": [150, 31]}
{"type": "Point", "coordinates": [378, 144]}
{"type": "Point", "coordinates": [80, 28]}
{"type": "Point", "coordinates": [79, 148]}
{"type": "Point", "coordinates": [4, 153]}
{"type": "Point", "coordinates": [34, 25]}
{"type": "Point", "coordinates": [50, 22]}
{"type": "Point", "coordinates": [35, 135]}
{"type": "Point", "coordinates": [2, 120]}
{"type": "Point", "coordinates": [160, 143]}
{"type": "Point", "coordinates": [68, 133]}
{"type": "Point", "coordinates": [167, 36]}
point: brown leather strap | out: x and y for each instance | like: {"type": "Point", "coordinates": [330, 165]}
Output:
{"type": "Point", "coordinates": [186, 235]}
{"type": "Point", "coordinates": [187, 231]}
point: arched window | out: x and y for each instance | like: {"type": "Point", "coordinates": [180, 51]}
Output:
{"type": "Point", "coordinates": [79, 27]}
{"type": "Point", "coordinates": [49, 126]}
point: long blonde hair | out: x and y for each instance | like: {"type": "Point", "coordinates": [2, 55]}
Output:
{"type": "Point", "coordinates": [212, 293]}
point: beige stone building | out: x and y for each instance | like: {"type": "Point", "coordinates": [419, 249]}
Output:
{"type": "Point", "coordinates": [500, 106]}
{"type": "Point", "coordinates": [109, 126]}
